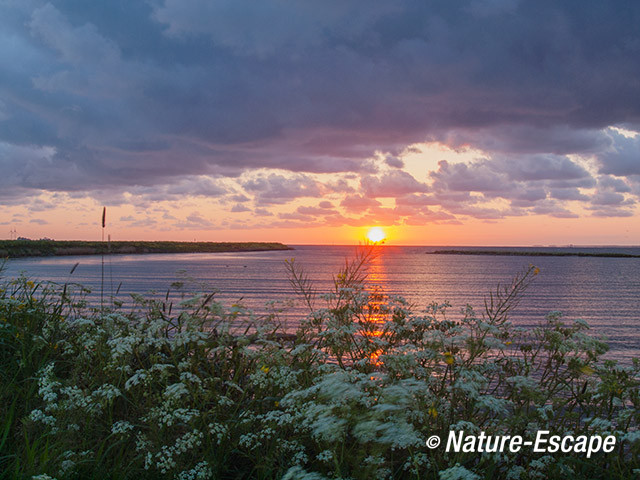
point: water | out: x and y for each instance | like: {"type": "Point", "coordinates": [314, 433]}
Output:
{"type": "Point", "coordinates": [603, 291]}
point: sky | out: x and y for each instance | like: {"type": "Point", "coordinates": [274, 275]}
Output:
{"type": "Point", "coordinates": [471, 122]}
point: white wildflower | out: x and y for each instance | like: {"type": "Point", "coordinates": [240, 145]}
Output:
{"type": "Point", "coordinates": [202, 471]}
{"type": "Point", "coordinates": [218, 431]}
{"type": "Point", "coordinates": [190, 377]}
{"type": "Point", "coordinates": [515, 472]}
{"type": "Point", "coordinates": [325, 456]}
{"type": "Point", "coordinates": [138, 377]}
{"type": "Point", "coordinates": [39, 416]}
{"type": "Point", "coordinates": [457, 472]}
{"type": "Point", "coordinates": [299, 473]}
{"type": "Point", "coordinates": [176, 391]}
{"type": "Point", "coordinates": [66, 466]}
{"type": "Point", "coordinates": [121, 427]}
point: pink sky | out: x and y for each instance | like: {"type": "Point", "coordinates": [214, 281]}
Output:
{"type": "Point", "coordinates": [330, 215]}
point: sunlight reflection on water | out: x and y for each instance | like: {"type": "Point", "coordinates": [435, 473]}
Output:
{"type": "Point", "coordinates": [603, 291]}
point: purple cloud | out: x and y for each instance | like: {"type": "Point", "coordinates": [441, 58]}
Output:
{"type": "Point", "coordinates": [275, 188]}
{"type": "Point", "coordinates": [142, 102]}
{"type": "Point", "coordinates": [392, 183]}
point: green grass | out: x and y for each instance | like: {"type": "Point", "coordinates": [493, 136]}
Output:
{"type": "Point", "coordinates": [204, 390]}
{"type": "Point", "coordinates": [38, 248]}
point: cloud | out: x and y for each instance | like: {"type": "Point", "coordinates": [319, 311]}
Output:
{"type": "Point", "coordinates": [198, 186]}
{"type": "Point", "coordinates": [276, 188]}
{"type": "Point", "coordinates": [521, 139]}
{"type": "Point", "coordinates": [392, 183]}
{"type": "Point", "coordinates": [297, 216]}
{"type": "Point", "coordinates": [237, 208]}
{"type": "Point", "coordinates": [141, 102]}
{"type": "Point", "coordinates": [393, 161]}
{"type": "Point", "coordinates": [269, 28]}
{"type": "Point", "coordinates": [541, 167]}
{"type": "Point", "coordinates": [607, 198]}
{"type": "Point", "coordinates": [623, 158]}
{"type": "Point", "coordinates": [460, 177]}
{"type": "Point", "coordinates": [608, 211]}
{"type": "Point", "coordinates": [358, 203]}
{"type": "Point", "coordinates": [613, 183]}
{"type": "Point", "coordinates": [567, 194]}
{"type": "Point", "coordinates": [526, 181]}
{"type": "Point", "coordinates": [315, 210]}
{"type": "Point", "coordinates": [75, 45]}
{"type": "Point", "coordinates": [553, 209]}
{"type": "Point", "coordinates": [38, 221]}
{"type": "Point", "coordinates": [194, 221]}
{"type": "Point", "coordinates": [262, 212]}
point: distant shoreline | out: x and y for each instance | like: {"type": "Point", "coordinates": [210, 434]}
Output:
{"type": "Point", "coordinates": [48, 248]}
{"type": "Point", "coordinates": [532, 253]}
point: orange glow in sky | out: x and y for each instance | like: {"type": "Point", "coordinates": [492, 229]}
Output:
{"type": "Point", "coordinates": [321, 211]}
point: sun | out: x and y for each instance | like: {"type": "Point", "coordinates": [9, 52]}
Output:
{"type": "Point", "coordinates": [376, 235]}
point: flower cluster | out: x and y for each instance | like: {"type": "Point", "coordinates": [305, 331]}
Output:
{"type": "Point", "coordinates": [352, 392]}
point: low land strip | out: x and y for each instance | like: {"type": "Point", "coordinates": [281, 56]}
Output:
{"type": "Point", "coordinates": [43, 248]}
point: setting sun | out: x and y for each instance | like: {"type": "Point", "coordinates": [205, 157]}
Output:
{"type": "Point", "coordinates": [376, 234]}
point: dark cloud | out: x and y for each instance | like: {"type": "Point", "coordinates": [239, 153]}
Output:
{"type": "Point", "coordinates": [608, 198]}
{"type": "Point", "coordinates": [392, 183]}
{"type": "Point", "coordinates": [162, 99]}
{"type": "Point", "coordinates": [586, 182]}
{"type": "Point", "coordinates": [567, 194]}
{"type": "Point", "coordinates": [238, 208]}
{"type": "Point", "coordinates": [239, 198]}
{"type": "Point", "coordinates": [509, 177]}
{"type": "Point", "coordinates": [528, 197]}
{"type": "Point", "coordinates": [623, 158]}
{"type": "Point", "coordinates": [613, 183]}
{"type": "Point", "coordinates": [612, 212]}
{"type": "Point", "coordinates": [553, 209]}
{"type": "Point", "coordinates": [196, 187]}
{"type": "Point", "coordinates": [540, 167]}
{"type": "Point", "coordinates": [262, 212]}
{"type": "Point", "coordinates": [526, 181]}
{"type": "Point", "coordinates": [275, 188]}
{"type": "Point", "coordinates": [39, 205]}
{"type": "Point", "coordinates": [394, 161]}
{"type": "Point", "coordinates": [145, 196]}
{"type": "Point", "coordinates": [532, 184]}
{"type": "Point", "coordinates": [460, 177]}
{"type": "Point", "coordinates": [528, 139]}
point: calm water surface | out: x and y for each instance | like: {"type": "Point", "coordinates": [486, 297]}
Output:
{"type": "Point", "coordinates": [603, 291]}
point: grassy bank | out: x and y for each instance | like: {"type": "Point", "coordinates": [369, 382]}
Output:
{"type": "Point", "coordinates": [203, 391]}
{"type": "Point", "coordinates": [40, 248]}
